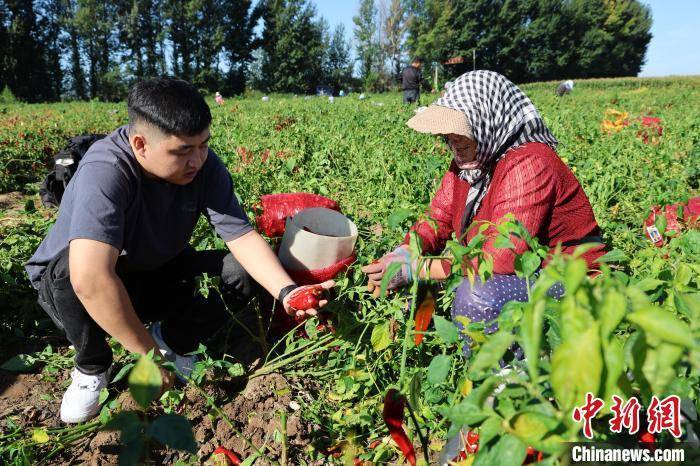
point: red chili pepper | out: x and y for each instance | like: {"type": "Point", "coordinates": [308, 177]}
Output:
{"type": "Point", "coordinates": [648, 440]}
{"type": "Point", "coordinates": [375, 444]}
{"type": "Point", "coordinates": [394, 404]}
{"type": "Point", "coordinates": [224, 456]}
{"type": "Point", "coordinates": [472, 442]}
{"type": "Point", "coordinates": [306, 298]}
{"type": "Point", "coordinates": [533, 456]}
{"type": "Point", "coordinates": [423, 316]}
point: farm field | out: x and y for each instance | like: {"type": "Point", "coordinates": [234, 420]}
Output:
{"type": "Point", "coordinates": [319, 398]}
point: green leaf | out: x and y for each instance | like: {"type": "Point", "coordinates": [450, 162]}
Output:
{"type": "Point", "coordinates": [648, 284]}
{"type": "Point", "coordinates": [381, 337]}
{"type": "Point", "coordinates": [531, 335]}
{"type": "Point", "coordinates": [414, 389]}
{"type": "Point", "coordinates": [464, 413]}
{"type": "Point", "coordinates": [527, 264]}
{"type": "Point", "coordinates": [615, 382]}
{"type": "Point", "coordinates": [122, 372]}
{"type": "Point", "coordinates": [439, 368]}
{"type": "Point", "coordinates": [173, 431]}
{"type": "Point", "coordinates": [104, 394]}
{"type": "Point", "coordinates": [491, 351]}
{"type": "Point", "coordinates": [251, 459]}
{"type": "Point", "coordinates": [508, 450]}
{"type": "Point", "coordinates": [40, 436]}
{"type": "Point", "coordinates": [398, 216]}
{"type": "Point", "coordinates": [683, 275]}
{"type": "Point", "coordinates": [19, 363]}
{"type": "Point", "coordinates": [532, 426]}
{"type": "Point", "coordinates": [577, 366]}
{"type": "Point", "coordinates": [663, 325]}
{"type": "Point", "coordinates": [446, 330]}
{"type": "Point", "coordinates": [490, 428]}
{"type": "Point", "coordinates": [145, 381]}
{"type": "Point", "coordinates": [122, 420]}
{"type": "Point", "coordinates": [661, 223]}
{"type": "Point", "coordinates": [615, 255]}
{"type": "Point", "coordinates": [392, 270]}
{"type": "Point", "coordinates": [611, 312]}
{"type": "Point", "coordinates": [503, 242]}
{"type": "Point", "coordinates": [659, 366]}
{"type": "Point", "coordinates": [575, 273]}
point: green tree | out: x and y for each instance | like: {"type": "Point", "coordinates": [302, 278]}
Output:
{"type": "Point", "coordinates": [25, 63]}
{"type": "Point", "coordinates": [612, 36]}
{"type": "Point", "coordinates": [395, 27]}
{"type": "Point", "coordinates": [95, 22]}
{"type": "Point", "coordinates": [77, 86]}
{"type": "Point", "coordinates": [140, 38]}
{"type": "Point", "coordinates": [367, 48]}
{"type": "Point", "coordinates": [293, 46]}
{"type": "Point", "coordinates": [337, 66]}
{"type": "Point", "coordinates": [240, 19]}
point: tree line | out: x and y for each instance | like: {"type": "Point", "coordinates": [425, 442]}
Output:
{"type": "Point", "coordinates": [83, 49]}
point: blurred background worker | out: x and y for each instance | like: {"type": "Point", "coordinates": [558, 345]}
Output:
{"type": "Point", "coordinates": [565, 88]}
{"type": "Point", "coordinates": [411, 78]}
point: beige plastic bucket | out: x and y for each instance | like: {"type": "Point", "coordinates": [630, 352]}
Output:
{"type": "Point", "coordinates": [331, 238]}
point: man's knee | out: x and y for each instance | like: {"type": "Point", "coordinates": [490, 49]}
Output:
{"type": "Point", "coordinates": [236, 280]}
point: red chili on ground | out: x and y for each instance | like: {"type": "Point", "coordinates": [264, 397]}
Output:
{"type": "Point", "coordinates": [224, 456]}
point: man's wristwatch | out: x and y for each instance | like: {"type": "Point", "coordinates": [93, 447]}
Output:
{"type": "Point", "coordinates": [285, 291]}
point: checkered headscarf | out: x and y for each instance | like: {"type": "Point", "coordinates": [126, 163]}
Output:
{"type": "Point", "coordinates": [501, 117]}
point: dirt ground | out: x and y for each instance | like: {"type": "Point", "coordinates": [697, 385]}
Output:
{"type": "Point", "coordinates": [253, 410]}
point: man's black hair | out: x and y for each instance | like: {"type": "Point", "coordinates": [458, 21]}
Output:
{"type": "Point", "coordinates": [172, 105]}
{"type": "Point", "coordinates": [417, 60]}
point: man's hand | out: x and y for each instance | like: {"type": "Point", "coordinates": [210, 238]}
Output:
{"type": "Point", "coordinates": [376, 270]}
{"type": "Point", "coordinates": [303, 296]}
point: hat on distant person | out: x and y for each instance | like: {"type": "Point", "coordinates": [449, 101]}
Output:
{"type": "Point", "coordinates": [437, 119]}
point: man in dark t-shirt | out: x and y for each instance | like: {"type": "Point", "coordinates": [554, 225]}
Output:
{"type": "Point", "coordinates": [119, 254]}
{"type": "Point", "coordinates": [410, 81]}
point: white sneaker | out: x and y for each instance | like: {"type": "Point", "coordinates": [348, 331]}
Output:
{"type": "Point", "coordinates": [184, 364]}
{"type": "Point", "coordinates": [81, 400]}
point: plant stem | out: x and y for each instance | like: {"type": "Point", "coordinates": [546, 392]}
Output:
{"type": "Point", "coordinates": [409, 326]}
{"type": "Point", "coordinates": [423, 438]}
{"type": "Point", "coordinates": [283, 428]}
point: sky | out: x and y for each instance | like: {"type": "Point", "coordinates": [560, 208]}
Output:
{"type": "Point", "coordinates": [674, 48]}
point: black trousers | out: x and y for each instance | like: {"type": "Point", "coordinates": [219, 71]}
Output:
{"type": "Point", "coordinates": [410, 96]}
{"type": "Point", "coordinates": [167, 294]}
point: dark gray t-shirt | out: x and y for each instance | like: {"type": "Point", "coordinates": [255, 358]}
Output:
{"type": "Point", "coordinates": [109, 199]}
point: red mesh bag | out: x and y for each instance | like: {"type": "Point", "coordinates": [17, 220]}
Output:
{"type": "Point", "coordinates": [651, 129]}
{"type": "Point", "coordinates": [676, 217]}
{"type": "Point", "coordinates": [273, 209]}
{"type": "Point", "coordinates": [691, 213]}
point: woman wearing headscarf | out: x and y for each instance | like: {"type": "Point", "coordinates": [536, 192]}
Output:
{"type": "Point", "coordinates": [504, 162]}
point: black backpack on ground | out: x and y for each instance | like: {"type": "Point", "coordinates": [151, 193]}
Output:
{"type": "Point", "coordinates": [65, 164]}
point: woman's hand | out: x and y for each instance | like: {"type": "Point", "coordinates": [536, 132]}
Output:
{"type": "Point", "coordinates": [376, 270]}
{"type": "Point", "coordinates": [306, 301]}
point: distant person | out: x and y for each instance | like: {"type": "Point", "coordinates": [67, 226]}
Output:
{"type": "Point", "coordinates": [411, 78]}
{"type": "Point", "coordinates": [218, 98]}
{"type": "Point", "coordinates": [119, 256]}
{"type": "Point", "coordinates": [565, 88]}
